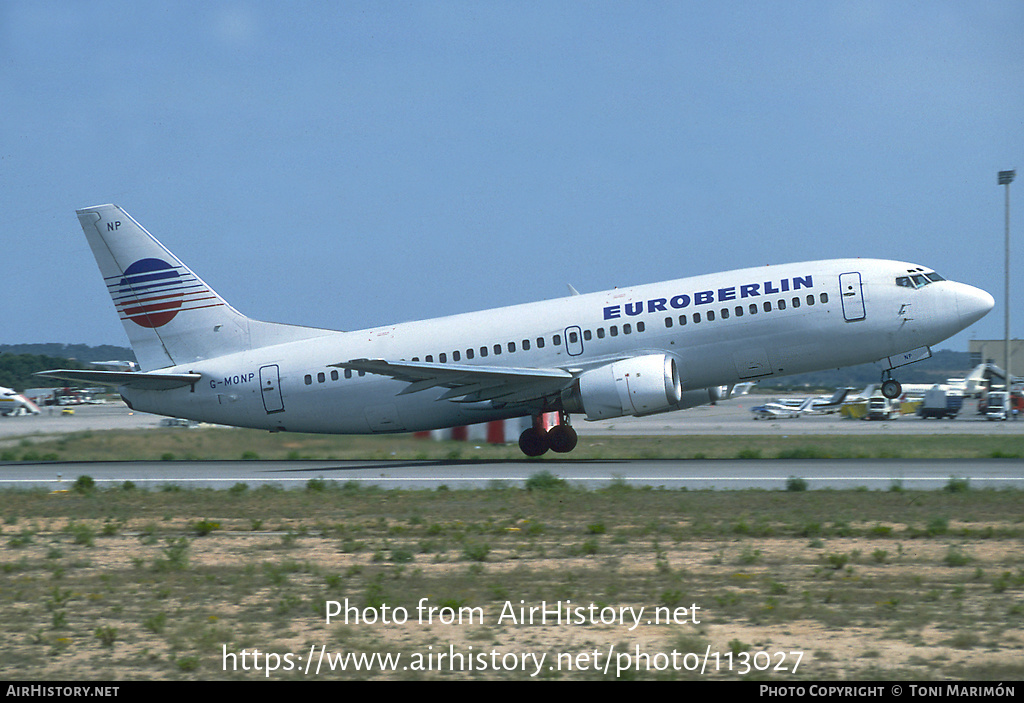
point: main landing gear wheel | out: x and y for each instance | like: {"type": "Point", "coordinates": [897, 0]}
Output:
{"type": "Point", "coordinates": [536, 440]}
{"type": "Point", "coordinates": [562, 438]}
{"type": "Point", "coordinates": [533, 442]}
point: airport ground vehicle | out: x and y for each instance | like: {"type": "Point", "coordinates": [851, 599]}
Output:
{"type": "Point", "coordinates": [881, 408]}
{"type": "Point", "coordinates": [940, 403]}
{"type": "Point", "coordinates": [997, 406]}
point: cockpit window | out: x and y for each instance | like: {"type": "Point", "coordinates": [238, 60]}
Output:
{"type": "Point", "coordinates": [917, 280]}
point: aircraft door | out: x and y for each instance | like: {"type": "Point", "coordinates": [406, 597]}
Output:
{"type": "Point", "coordinates": [851, 292]}
{"type": "Point", "coordinates": [573, 341]}
{"type": "Point", "coordinates": [270, 386]}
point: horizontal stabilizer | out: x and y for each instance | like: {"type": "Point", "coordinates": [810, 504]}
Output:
{"type": "Point", "coordinates": [141, 381]}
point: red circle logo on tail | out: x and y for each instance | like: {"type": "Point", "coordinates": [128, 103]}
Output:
{"type": "Point", "coordinates": [150, 293]}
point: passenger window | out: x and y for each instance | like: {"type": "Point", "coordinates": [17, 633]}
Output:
{"type": "Point", "coordinates": [627, 329]}
{"type": "Point", "coordinates": [334, 375]}
{"type": "Point", "coordinates": [810, 300]}
{"type": "Point", "coordinates": [711, 315]}
{"type": "Point", "coordinates": [696, 317]}
{"type": "Point", "coordinates": [824, 297]}
{"type": "Point", "coordinates": [456, 356]}
{"type": "Point", "coordinates": [753, 308]}
{"type": "Point", "coordinates": [348, 373]}
{"type": "Point", "coordinates": [600, 332]}
{"type": "Point", "coordinates": [556, 340]}
{"type": "Point", "coordinates": [443, 358]}
{"type": "Point", "coordinates": [469, 353]}
{"type": "Point", "coordinates": [767, 306]}
{"type": "Point", "coordinates": [782, 305]}
{"type": "Point", "coordinates": [739, 311]}
{"type": "Point", "coordinates": [725, 313]}
{"type": "Point", "coordinates": [613, 331]}
{"type": "Point", "coordinates": [682, 320]}
{"type": "Point", "coordinates": [308, 379]}
{"type": "Point", "coordinates": [497, 349]}
{"type": "Point", "coordinates": [796, 302]}
{"type": "Point", "coordinates": [429, 358]}
{"type": "Point", "coordinates": [321, 377]}
{"type": "Point", "coordinates": [511, 346]}
{"type": "Point", "coordinates": [483, 351]}
{"type": "Point", "coordinates": [668, 322]}
{"type": "Point", "coordinates": [540, 342]}
{"type": "Point", "coordinates": [573, 337]}
{"type": "Point", "coordinates": [640, 327]}
{"type": "Point", "coordinates": [586, 335]}
{"type": "Point", "coordinates": [526, 345]}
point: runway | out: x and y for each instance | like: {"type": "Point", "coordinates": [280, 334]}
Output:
{"type": "Point", "coordinates": [727, 418]}
{"type": "Point", "coordinates": [723, 474]}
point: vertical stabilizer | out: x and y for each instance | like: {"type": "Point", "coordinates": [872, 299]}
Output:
{"type": "Point", "coordinates": [171, 316]}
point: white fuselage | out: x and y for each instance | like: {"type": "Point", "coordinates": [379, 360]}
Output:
{"type": "Point", "coordinates": [721, 329]}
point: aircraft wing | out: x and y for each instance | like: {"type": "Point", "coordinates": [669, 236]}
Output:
{"type": "Point", "coordinates": [468, 384]}
{"type": "Point", "coordinates": [142, 381]}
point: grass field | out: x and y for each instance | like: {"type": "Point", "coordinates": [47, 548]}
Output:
{"type": "Point", "coordinates": [786, 585]}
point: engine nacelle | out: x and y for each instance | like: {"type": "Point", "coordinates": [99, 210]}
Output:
{"type": "Point", "coordinates": [694, 398]}
{"type": "Point", "coordinates": [643, 385]}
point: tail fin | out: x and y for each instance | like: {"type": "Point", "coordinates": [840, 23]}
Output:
{"type": "Point", "coordinates": [171, 316]}
{"type": "Point", "coordinates": [839, 396]}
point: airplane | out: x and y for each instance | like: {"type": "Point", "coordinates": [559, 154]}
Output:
{"type": "Point", "coordinates": [793, 408]}
{"type": "Point", "coordinates": [115, 365]}
{"type": "Point", "coordinates": [14, 403]}
{"type": "Point", "coordinates": [781, 411]}
{"type": "Point", "coordinates": [632, 351]}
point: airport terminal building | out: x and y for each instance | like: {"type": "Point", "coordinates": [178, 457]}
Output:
{"type": "Point", "coordinates": [992, 351]}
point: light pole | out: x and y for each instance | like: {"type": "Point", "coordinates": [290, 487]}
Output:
{"type": "Point", "coordinates": [1005, 179]}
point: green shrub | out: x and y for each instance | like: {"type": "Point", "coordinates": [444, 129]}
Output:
{"type": "Point", "coordinates": [545, 481]}
{"type": "Point", "coordinates": [84, 484]}
{"type": "Point", "coordinates": [794, 483]}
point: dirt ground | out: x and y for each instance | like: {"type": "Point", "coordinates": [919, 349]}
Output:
{"type": "Point", "coordinates": [555, 594]}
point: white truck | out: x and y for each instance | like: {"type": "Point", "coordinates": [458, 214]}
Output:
{"type": "Point", "coordinates": [997, 406]}
{"type": "Point", "coordinates": [881, 408]}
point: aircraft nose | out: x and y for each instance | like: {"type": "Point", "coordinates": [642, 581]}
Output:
{"type": "Point", "coordinates": [972, 304]}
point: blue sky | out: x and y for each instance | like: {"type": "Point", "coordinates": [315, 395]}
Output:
{"type": "Point", "coordinates": [350, 164]}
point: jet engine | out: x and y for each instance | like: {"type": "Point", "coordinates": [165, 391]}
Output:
{"type": "Point", "coordinates": [643, 385]}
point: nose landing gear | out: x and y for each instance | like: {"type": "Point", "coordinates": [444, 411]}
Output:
{"type": "Point", "coordinates": [891, 388]}
{"type": "Point", "coordinates": [536, 440]}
